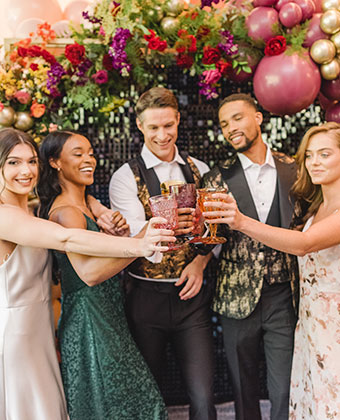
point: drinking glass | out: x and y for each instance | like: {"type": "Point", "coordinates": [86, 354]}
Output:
{"type": "Point", "coordinates": [165, 205]}
{"type": "Point", "coordinates": [165, 186]}
{"type": "Point", "coordinates": [205, 194]}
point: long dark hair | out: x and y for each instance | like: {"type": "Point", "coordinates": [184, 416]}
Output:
{"type": "Point", "coordinates": [9, 138]}
{"type": "Point", "coordinates": [49, 187]}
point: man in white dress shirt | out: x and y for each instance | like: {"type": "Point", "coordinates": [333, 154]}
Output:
{"type": "Point", "coordinates": [168, 300]}
{"type": "Point", "coordinates": [256, 285]}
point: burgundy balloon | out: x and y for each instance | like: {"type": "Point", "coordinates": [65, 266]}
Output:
{"type": "Point", "coordinates": [257, 3]}
{"type": "Point", "coordinates": [333, 113]}
{"type": "Point", "coordinates": [307, 8]}
{"type": "Point", "coordinates": [314, 31]}
{"type": "Point", "coordinates": [260, 23]}
{"type": "Point", "coordinates": [324, 102]}
{"type": "Point", "coordinates": [244, 54]}
{"type": "Point", "coordinates": [318, 6]}
{"type": "Point", "coordinates": [280, 3]}
{"type": "Point", "coordinates": [290, 14]}
{"type": "Point", "coordinates": [286, 84]}
{"type": "Point", "coordinates": [331, 89]}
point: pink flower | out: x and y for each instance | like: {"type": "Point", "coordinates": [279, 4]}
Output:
{"type": "Point", "coordinates": [23, 97]}
{"type": "Point", "coordinates": [100, 77]}
{"type": "Point", "coordinates": [211, 76]}
{"type": "Point", "coordinates": [1, 106]}
{"type": "Point", "coordinates": [101, 31]}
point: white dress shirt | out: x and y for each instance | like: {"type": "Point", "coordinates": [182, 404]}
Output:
{"type": "Point", "coordinates": [261, 181]}
{"type": "Point", "coordinates": [123, 187]}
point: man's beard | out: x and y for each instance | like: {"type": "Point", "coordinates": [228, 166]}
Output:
{"type": "Point", "coordinates": [248, 145]}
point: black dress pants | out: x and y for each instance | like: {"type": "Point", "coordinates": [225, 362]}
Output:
{"type": "Point", "coordinates": [157, 315]}
{"type": "Point", "coordinates": [272, 321]}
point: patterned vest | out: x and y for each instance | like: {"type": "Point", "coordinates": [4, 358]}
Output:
{"type": "Point", "coordinates": [148, 185]}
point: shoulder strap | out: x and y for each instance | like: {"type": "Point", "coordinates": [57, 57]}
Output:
{"type": "Point", "coordinates": [187, 172]}
{"type": "Point", "coordinates": [148, 175]}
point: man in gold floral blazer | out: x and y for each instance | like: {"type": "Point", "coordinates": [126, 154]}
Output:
{"type": "Point", "coordinates": [255, 293]}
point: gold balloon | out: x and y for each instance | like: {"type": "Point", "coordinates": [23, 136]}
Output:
{"type": "Point", "coordinates": [331, 70]}
{"type": "Point", "coordinates": [322, 51]}
{"type": "Point", "coordinates": [174, 7]}
{"type": "Point", "coordinates": [336, 41]}
{"type": "Point", "coordinates": [24, 121]}
{"type": "Point", "coordinates": [156, 14]}
{"type": "Point", "coordinates": [330, 4]}
{"type": "Point", "coordinates": [7, 116]}
{"type": "Point", "coordinates": [330, 21]}
{"type": "Point", "coordinates": [169, 25]}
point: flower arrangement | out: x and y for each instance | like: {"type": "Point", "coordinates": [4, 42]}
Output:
{"type": "Point", "coordinates": [135, 43]}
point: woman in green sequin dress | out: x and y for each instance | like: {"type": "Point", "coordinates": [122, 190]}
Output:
{"type": "Point", "coordinates": [104, 375]}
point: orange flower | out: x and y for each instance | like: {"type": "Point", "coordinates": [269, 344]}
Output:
{"type": "Point", "coordinates": [37, 110]}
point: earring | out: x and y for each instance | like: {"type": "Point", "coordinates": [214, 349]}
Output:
{"type": "Point", "coordinates": [58, 169]}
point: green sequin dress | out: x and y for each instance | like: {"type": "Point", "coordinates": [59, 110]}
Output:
{"type": "Point", "coordinates": [104, 375]}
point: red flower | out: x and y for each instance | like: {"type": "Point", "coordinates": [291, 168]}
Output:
{"type": "Point", "coordinates": [48, 56]}
{"type": "Point", "coordinates": [185, 61]}
{"type": "Point", "coordinates": [182, 33]}
{"type": "Point", "coordinates": [75, 53]}
{"type": "Point", "coordinates": [275, 46]}
{"type": "Point", "coordinates": [100, 77]}
{"type": "Point", "coordinates": [193, 42]}
{"type": "Point", "coordinates": [157, 44]}
{"type": "Point", "coordinates": [34, 51]}
{"type": "Point", "coordinates": [34, 66]}
{"type": "Point", "coordinates": [210, 55]}
{"type": "Point", "coordinates": [202, 32]}
{"type": "Point", "coordinates": [181, 49]}
{"type": "Point", "coordinates": [107, 62]}
{"type": "Point", "coordinates": [22, 52]}
{"type": "Point", "coordinates": [149, 37]}
{"type": "Point", "coordinates": [223, 66]}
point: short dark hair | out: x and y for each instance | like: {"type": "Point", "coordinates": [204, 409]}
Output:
{"type": "Point", "coordinates": [156, 97]}
{"type": "Point", "coordinates": [239, 97]}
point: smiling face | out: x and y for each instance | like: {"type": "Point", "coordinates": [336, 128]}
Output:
{"type": "Point", "coordinates": [20, 171]}
{"type": "Point", "coordinates": [76, 163]}
{"type": "Point", "coordinates": [240, 124]}
{"type": "Point", "coordinates": [322, 159]}
{"type": "Point", "coordinates": [160, 129]}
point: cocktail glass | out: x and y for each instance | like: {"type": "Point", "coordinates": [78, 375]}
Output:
{"type": "Point", "coordinates": [205, 194]}
{"type": "Point", "coordinates": [165, 205]}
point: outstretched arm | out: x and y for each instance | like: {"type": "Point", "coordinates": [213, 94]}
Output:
{"type": "Point", "coordinates": [321, 235]}
{"type": "Point", "coordinates": [19, 227]}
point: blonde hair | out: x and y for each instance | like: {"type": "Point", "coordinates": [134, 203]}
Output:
{"type": "Point", "coordinates": [303, 188]}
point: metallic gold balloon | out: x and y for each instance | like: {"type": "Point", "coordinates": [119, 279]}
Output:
{"type": "Point", "coordinates": [24, 121]}
{"type": "Point", "coordinates": [174, 7]}
{"type": "Point", "coordinates": [322, 51]}
{"type": "Point", "coordinates": [156, 14]}
{"type": "Point", "coordinates": [7, 116]}
{"type": "Point", "coordinates": [330, 4]}
{"type": "Point", "coordinates": [331, 70]}
{"type": "Point", "coordinates": [336, 41]}
{"type": "Point", "coordinates": [330, 21]}
{"type": "Point", "coordinates": [170, 25]}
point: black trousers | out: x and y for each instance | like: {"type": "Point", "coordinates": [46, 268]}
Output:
{"type": "Point", "coordinates": [272, 321]}
{"type": "Point", "coordinates": [156, 316]}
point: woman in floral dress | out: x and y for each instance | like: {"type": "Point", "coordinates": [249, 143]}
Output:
{"type": "Point", "coordinates": [315, 382]}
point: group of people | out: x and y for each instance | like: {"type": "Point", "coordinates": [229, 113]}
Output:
{"type": "Point", "coordinates": [112, 344]}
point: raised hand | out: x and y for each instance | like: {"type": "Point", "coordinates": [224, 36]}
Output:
{"type": "Point", "coordinates": [227, 213]}
{"type": "Point", "coordinates": [113, 223]}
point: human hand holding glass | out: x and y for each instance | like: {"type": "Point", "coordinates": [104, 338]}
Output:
{"type": "Point", "coordinates": [206, 195]}
{"type": "Point", "coordinates": [165, 205]}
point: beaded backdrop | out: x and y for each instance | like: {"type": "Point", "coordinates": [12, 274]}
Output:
{"type": "Point", "coordinates": [117, 140]}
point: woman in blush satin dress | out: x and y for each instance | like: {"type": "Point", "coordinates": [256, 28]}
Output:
{"type": "Point", "coordinates": [315, 380]}
{"type": "Point", "coordinates": [30, 381]}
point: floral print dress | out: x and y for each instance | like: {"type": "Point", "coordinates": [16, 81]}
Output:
{"type": "Point", "coordinates": [315, 382]}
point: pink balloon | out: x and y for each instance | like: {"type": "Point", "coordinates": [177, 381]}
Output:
{"type": "Point", "coordinates": [73, 11]}
{"type": "Point", "coordinates": [331, 89]}
{"type": "Point", "coordinates": [257, 3]}
{"type": "Point", "coordinates": [290, 14]}
{"type": "Point", "coordinates": [314, 31]}
{"type": "Point", "coordinates": [286, 84]}
{"type": "Point", "coordinates": [318, 6]}
{"type": "Point", "coordinates": [261, 23]}
{"type": "Point", "coordinates": [280, 3]}
{"type": "Point", "coordinates": [20, 10]}
{"type": "Point", "coordinates": [333, 113]}
{"type": "Point", "coordinates": [307, 8]}
{"type": "Point", "coordinates": [325, 103]}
